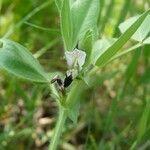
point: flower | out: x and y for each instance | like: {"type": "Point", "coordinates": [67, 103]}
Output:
{"type": "Point", "coordinates": [75, 58]}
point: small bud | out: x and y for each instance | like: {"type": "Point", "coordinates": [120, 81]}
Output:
{"type": "Point", "coordinates": [68, 80]}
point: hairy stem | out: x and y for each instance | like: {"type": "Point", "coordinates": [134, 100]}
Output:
{"type": "Point", "coordinates": [58, 129]}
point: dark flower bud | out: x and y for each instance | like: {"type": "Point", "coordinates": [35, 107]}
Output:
{"type": "Point", "coordinates": [68, 80]}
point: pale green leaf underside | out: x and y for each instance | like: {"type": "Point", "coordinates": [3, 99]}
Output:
{"type": "Point", "coordinates": [17, 60]}
{"type": "Point", "coordinates": [114, 48]}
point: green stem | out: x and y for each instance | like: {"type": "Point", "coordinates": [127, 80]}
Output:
{"type": "Point", "coordinates": [71, 99]}
{"type": "Point", "coordinates": [58, 129]}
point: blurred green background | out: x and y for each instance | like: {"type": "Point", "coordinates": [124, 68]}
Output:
{"type": "Point", "coordinates": [114, 113]}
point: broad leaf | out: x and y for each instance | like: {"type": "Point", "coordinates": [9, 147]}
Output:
{"type": "Point", "coordinates": [16, 59]}
{"type": "Point", "coordinates": [142, 31]}
{"type": "Point", "coordinates": [77, 17]}
{"type": "Point", "coordinates": [112, 50]}
{"type": "Point", "coordinates": [84, 15]}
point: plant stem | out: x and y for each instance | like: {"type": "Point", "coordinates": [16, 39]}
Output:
{"type": "Point", "coordinates": [58, 129]}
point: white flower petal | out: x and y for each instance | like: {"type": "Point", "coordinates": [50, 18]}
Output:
{"type": "Point", "coordinates": [74, 57]}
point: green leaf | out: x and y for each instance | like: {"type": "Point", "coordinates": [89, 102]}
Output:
{"type": "Point", "coordinates": [66, 25]}
{"type": "Point", "coordinates": [85, 16]}
{"type": "Point", "coordinates": [16, 59]}
{"type": "Point", "coordinates": [59, 3]}
{"type": "Point", "coordinates": [100, 47]}
{"type": "Point", "coordinates": [131, 49]}
{"type": "Point", "coordinates": [86, 44]}
{"type": "Point", "coordinates": [77, 17]}
{"type": "Point", "coordinates": [112, 50]}
{"type": "Point", "coordinates": [124, 52]}
{"type": "Point", "coordinates": [142, 31]}
{"type": "Point", "coordinates": [73, 112]}
{"type": "Point", "coordinates": [73, 100]}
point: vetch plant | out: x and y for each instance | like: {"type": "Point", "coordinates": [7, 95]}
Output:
{"type": "Point", "coordinates": [84, 52]}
